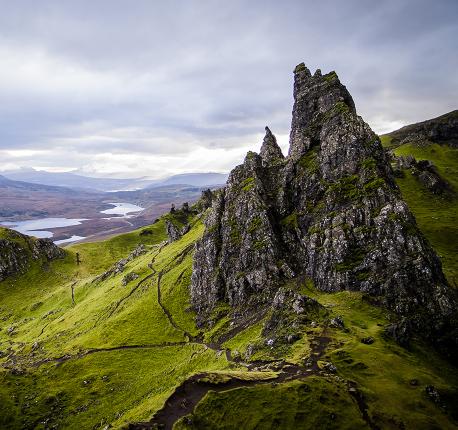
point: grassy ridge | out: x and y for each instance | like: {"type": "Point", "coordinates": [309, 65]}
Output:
{"type": "Point", "coordinates": [436, 215]}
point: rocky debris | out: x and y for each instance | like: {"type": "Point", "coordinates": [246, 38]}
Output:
{"type": "Point", "coordinates": [443, 129]}
{"type": "Point", "coordinates": [289, 310]}
{"type": "Point", "coordinates": [401, 332]}
{"type": "Point", "coordinates": [291, 338]}
{"type": "Point", "coordinates": [46, 248]}
{"type": "Point", "coordinates": [129, 277]}
{"type": "Point", "coordinates": [337, 322]}
{"type": "Point", "coordinates": [185, 229]}
{"type": "Point", "coordinates": [433, 394]}
{"type": "Point", "coordinates": [139, 250]}
{"type": "Point", "coordinates": [367, 340]}
{"type": "Point", "coordinates": [17, 251]}
{"type": "Point", "coordinates": [329, 211]}
{"type": "Point", "coordinates": [329, 367]}
{"type": "Point", "coordinates": [51, 312]}
{"type": "Point", "coordinates": [413, 382]}
{"type": "Point", "coordinates": [401, 163]}
{"type": "Point", "coordinates": [429, 176]}
{"type": "Point", "coordinates": [250, 350]}
{"type": "Point", "coordinates": [120, 265]}
{"type": "Point", "coordinates": [425, 171]}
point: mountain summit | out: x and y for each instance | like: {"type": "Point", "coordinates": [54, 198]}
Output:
{"type": "Point", "coordinates": [329, 213]}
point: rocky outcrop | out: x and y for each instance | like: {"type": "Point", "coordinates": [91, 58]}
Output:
{"type": "Point", "coordinates": [18, 251]}
{"type": "Point", "coordinates": [426, 172]}
{"type": "Point", "coordinates": [329, 211]}
{"type": "Point", "coordinates": [120, 265]}
{"type": "Point", "coordinates": [173, 232]}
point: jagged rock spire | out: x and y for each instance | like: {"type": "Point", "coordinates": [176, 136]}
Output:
{"type": "Point", "coordinates": [313, 96]}
{"type": "Point", "coordinates": [330, 211]}
{"type": "Point", "coordinates": [270, 151]}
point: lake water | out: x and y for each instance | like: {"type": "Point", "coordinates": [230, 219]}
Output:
{"type": "Point", "coordinates": [33, 227]}
{"type": "Point", "coordinates": [122, 209]}
{"type": "Point", "coordinates": [37, 227]}
{"type": "Point", "coordinates": [74, 238]}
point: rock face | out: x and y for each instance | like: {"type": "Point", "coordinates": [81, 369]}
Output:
{"type": "Point", "coordinates": [173, 232]}
{"type": "Point", "coordinates": [18, 250]}
{"type": "Point", "coordinates": [329, 211]}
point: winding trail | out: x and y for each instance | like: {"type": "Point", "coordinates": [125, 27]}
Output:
{"type": "Point", "coordinates": [191, 391]}
{"type": "Point", "coordinates": [113, 309]}
{"type": "Point", "coordinates": [185, 397]}
{"type": "Point", "coordinates": [87, 352]}
{"type": "Point", "coordinates": [167, 312]}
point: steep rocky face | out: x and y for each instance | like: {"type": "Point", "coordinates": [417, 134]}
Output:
{"type": "Point", "coordinates": [18, 250]}
{"type": "Point", "coordinates": [330, 211]}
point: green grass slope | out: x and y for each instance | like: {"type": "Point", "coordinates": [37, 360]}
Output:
{"type": "Point", "coordinates": [116, 353]}
{"type": "Point", "coordinates": [437, 215]}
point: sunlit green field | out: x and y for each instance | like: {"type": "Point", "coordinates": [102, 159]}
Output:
{"type": "Point", "coordinates": [114, 356]}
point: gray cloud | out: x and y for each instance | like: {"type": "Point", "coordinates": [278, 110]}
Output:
{"type": "Point", "coordinates": [189, 85]}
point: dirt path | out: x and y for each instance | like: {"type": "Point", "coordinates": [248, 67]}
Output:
{"type": "Point", "coordinates": [113, 309]}
{"type": "Point", "coordinates": [185, 397]}
{"type": "Point", "coordinates": [167, 313]}
{"type": "Point", "coordinates": [12, 364]}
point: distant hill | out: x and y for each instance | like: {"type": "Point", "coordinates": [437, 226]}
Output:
{"type": "Point", "coordinates": [25, 200]}
{"type": "Point", "coordinates": [195, 179]}
{"type": "Point", "coordinates": [423, 154]}
{"type": "Point", "coordinates": [75, 181]}
{"type": "Point", "coordinates": [443, 129]}
{"type": "Point", "coordinates": [72, 180]}
{"type": "Point", "coordinates": [6, 183]}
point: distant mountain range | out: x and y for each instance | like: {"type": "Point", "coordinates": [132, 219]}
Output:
{"type": "Point", "coordinates": [30, 200]}
{"type": "Point", "coordinates": [75, 181]}
{"type": "Point", "coordinates": [22, 199]}
{"type": "Point", "coordinates": [19, 185]}
{"type": "Point", "coordinates": [195, 179]}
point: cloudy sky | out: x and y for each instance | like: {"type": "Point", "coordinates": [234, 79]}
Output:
{"type": "Point", "coordinates": [145, 87]}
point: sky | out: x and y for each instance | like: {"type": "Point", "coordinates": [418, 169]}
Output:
{"type": "Point", "coordinates": [125, 88]}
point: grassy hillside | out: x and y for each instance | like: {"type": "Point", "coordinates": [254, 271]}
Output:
{"type": "Point", "coordinates": [437, 215]}
{"type": "Point", "coordinates": [116, 353]}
